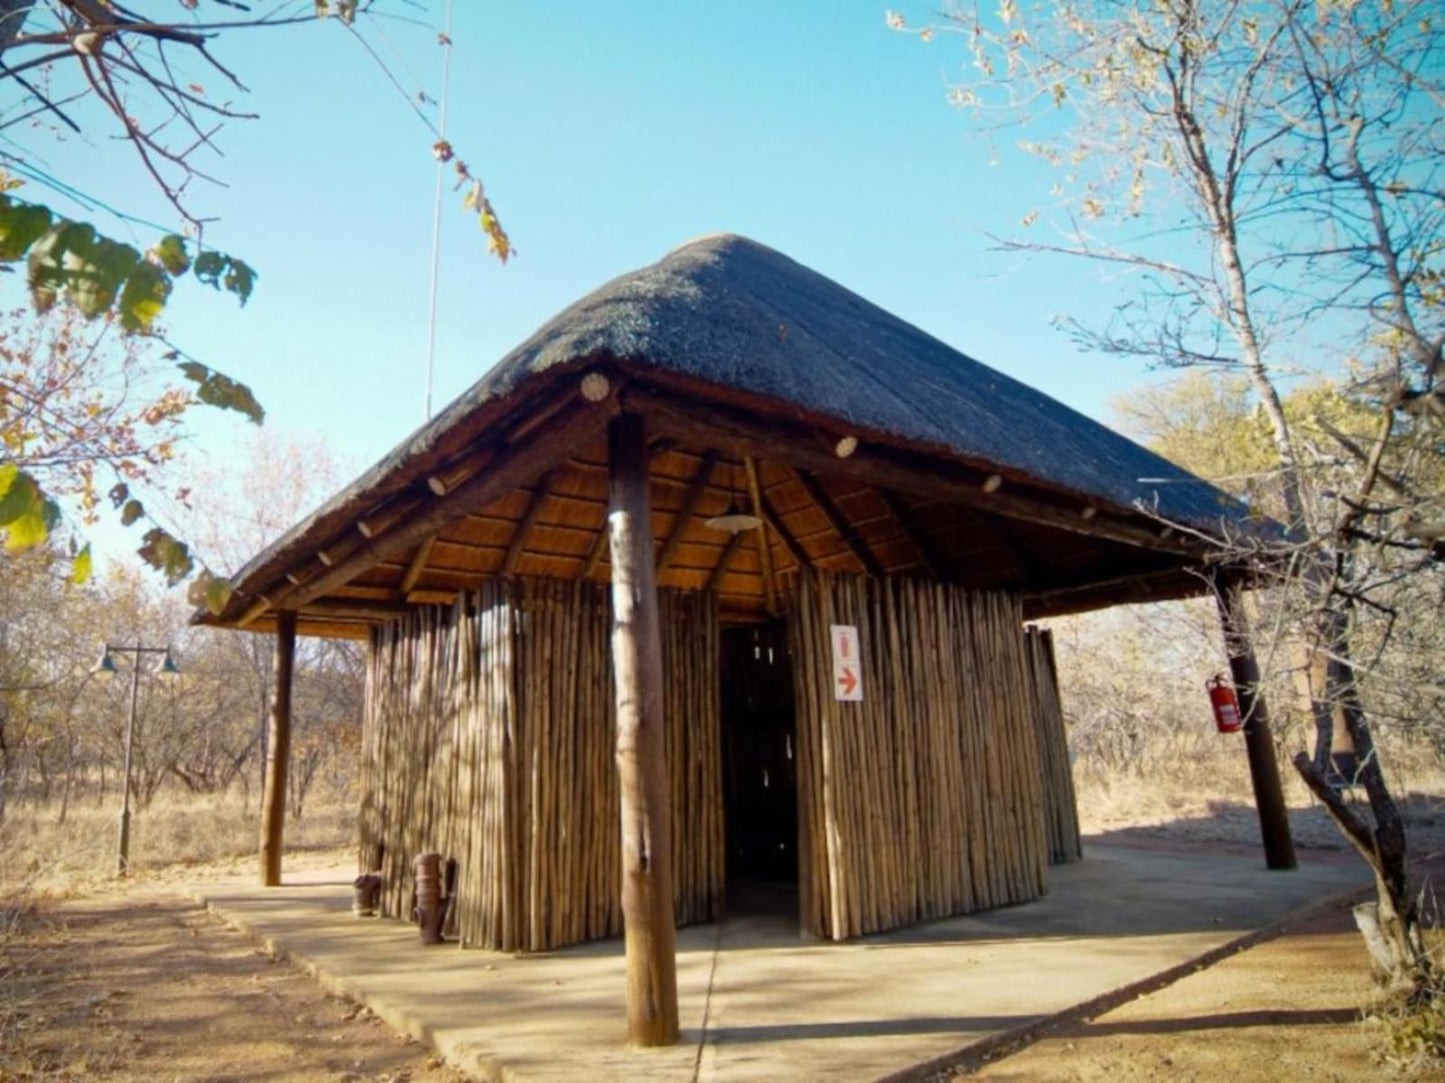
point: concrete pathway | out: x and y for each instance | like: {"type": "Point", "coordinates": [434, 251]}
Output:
{"type": "Point", "coordinates": [758, 1003]}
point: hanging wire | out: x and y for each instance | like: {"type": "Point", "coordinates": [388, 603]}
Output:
{"type": "Point", "coordinates": [436, 228]}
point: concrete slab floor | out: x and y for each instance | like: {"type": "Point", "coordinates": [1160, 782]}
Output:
{"type": "Point", "coordinates": [756, 1002]}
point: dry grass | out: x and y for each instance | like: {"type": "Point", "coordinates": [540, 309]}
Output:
{"type": "Point", "coordinates": [44, 861]}
{"type": "Point", "coordinates": [40, 854]}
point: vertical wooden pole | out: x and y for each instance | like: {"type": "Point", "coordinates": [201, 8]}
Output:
{"type": "Point", "coordinates": [1258, 741]}
{"type": "Point", "coordinates": [641, 767]}
{"type": "Point", "coordinates": [273, 801]}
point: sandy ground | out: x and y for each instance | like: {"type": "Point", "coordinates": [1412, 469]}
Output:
{"type": "Point", "coordinates": [141, 984]}
{"type": "Point", "coordinates": [1285, 1010]}
{"type": "Point", "coordinates": [145, 985]}
{"type": "Point", "coordinates": [1295, 1007]}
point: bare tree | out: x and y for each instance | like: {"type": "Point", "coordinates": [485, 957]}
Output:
{"type": "Point", "coordinates": [1268, 176]}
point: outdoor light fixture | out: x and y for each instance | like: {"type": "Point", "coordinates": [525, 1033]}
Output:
{"type": "Point", "coordinates": [105, 668]}
{"type": "Point", "coordinates": [734, 520]}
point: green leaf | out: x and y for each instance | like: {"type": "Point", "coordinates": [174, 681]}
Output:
{"type": "Point", "coordinates": [226, 272]}
{"type": "Point", "coordinates": [80, 567]}
{"type": "Point", "coordinates": [172, 254]}
{"type": "Point", "coordinates": [33, 527]}
{"type": "Point", "coordinates": [145, 294]}
{"type": "Point", "coordinates": [211, 591]}
{"type": "Point", "coordinates": [167, 554]}
{"type": "Point", "coordinates": [132, 511]}
{"type": "Point", "coordinates": [18, 493]}
{"type": "Point", "coordinates": [21, 225]}
{"type": "Point", "coordinates": [219, 390]}
{"type": "Point", "coordinates": [73, 259]}
{"type": "Point", "coordinates": [218, 593]}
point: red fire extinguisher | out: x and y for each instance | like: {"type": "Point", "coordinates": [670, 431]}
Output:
{"type": "Point", "coordinates": [1225, 704]}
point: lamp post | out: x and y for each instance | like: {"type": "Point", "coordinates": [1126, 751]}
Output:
{"type": "Point", "coordinates": [104, 668]}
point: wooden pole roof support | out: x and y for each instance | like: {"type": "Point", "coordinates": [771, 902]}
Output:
{"type": "Point", "coordinates": [724, 559]}
{"type": "Point", "coordinates": [839, 522]}
{"type": "Point", "coordinates": [930, 556]}
{"type": "Point", "coordinates": [599, 543]}
{"type": "Point", "coordinates": [765, 550]}
{"type": "Point", "coordinates": [254, 610]}
{"type": "Point", "coordinates": [539, 450]}
{"type": "Point", "coordinates": [696, 490]}
{"type": "Point", "coordinates": [278, 751]}
{"type": "Point", "coordinates": [1259, 743]}
{"type": "Point", "coordinates": [790, 543]}
{"type": "Point", "coordinates": [647, 899]}
{"type": "Point", "coordinates": [699, 422]}
{"type": "Point", "coordinates": [416, 566]}
{"type": "Point", "coordinates": [518, 544]}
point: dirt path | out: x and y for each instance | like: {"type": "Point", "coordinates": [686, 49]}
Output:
{"type": "Point", "coordinates": [146, 985]}
{"type": "Point", "coordinates": [1286, 1009]}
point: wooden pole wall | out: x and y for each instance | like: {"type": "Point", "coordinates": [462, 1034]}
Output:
{"type": "Point", "coordinates": [925, 799]}
{"type": "Point", "coordinates": [1061, 812]}
{"type": "Point", "coordinates": [490, 736]}
{"type": "Point", "coordinates": [278, 755]}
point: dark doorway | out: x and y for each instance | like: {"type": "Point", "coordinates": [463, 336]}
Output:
{"type": "Point", "coordinates": [760, 787]}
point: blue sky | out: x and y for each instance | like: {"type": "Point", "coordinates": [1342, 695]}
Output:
{"type": "Point", "coordinates": [607, 134]}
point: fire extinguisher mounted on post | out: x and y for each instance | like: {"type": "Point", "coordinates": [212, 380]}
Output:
{"type": "Point", "coordinates": [1225, 704]}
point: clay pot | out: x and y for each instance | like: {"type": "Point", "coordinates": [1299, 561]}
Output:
{"type": "Point", "coordinates": [429, 909]}
{"type": "Point", "coordinates": [367, 894]}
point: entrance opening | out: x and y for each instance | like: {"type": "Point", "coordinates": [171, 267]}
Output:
{"type": "Point", "coordinates": [760, 782]}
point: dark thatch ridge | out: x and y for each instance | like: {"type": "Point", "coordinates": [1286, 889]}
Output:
{"type": "Point", "coordinates": [728, 311]}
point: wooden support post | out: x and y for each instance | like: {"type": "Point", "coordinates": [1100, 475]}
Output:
{"type": "Point", "coordinates": [599, 544]}
{"type": "Point", "coordinates": [273, 802]}
{"type": "Point", "coordinates": [1258, 741]}
{"type": "Point", "coordinates": [641, 767]}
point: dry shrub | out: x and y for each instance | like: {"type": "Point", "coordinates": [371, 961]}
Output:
{"type": "Point", "coordinates": [40, 853]}
{"type": "Point", "coordinates": [1146, 753]}
{"type": "Point", "coordinates": [1413, 1021]}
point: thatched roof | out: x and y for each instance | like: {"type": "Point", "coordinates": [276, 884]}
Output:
{"type": "Point", "coordinates": [730, 311]}
{"type": "Point", "coordinates": [764, 332]}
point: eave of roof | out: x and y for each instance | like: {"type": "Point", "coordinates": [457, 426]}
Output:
{"type": "Point", "coordinates": [729, 314]}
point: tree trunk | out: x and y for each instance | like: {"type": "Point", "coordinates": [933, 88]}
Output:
{"type": "Point", "coordinates": [647, 906]}
{"type": "Point", "coordinates": [1390, 925]}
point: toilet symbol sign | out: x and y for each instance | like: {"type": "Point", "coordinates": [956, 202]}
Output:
{"type": "Point", "coordinates": [847, 664]}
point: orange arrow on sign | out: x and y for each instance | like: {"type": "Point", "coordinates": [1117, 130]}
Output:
{"type": "Point", "coordinates": [848, 681]}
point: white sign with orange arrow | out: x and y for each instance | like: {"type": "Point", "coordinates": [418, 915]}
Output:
{"type": "Point", "coordinates": [847, 664]}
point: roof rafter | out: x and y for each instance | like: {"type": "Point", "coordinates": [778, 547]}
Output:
{"type": "Point", "coordinates": [696, 490]}
{"type": "Point", "coordinates": [724, 559]}
{"type": "Point", "coordinates": [932, 560]}
{"type": "Point", "coordinates": [838, 521]}
{"type": "Point", "coordinates": [689, 419]}
{"type": "Point", "coordinates": [519, 536]}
